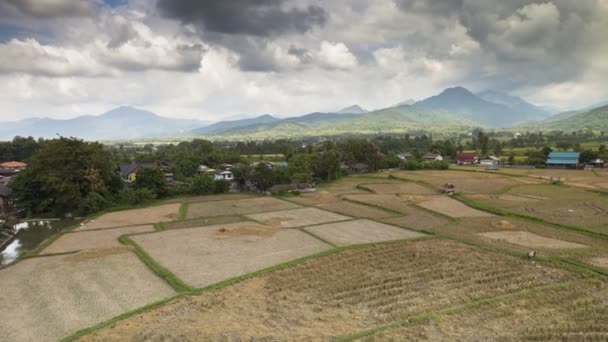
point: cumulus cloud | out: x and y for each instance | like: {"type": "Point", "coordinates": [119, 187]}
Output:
{"type": "Point", "coordinates": [336, 55]}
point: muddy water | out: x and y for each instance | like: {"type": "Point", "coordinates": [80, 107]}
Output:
{"type": "Point", "coordinates": [29, 236]}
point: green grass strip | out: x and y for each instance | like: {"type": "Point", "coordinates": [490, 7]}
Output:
{"type": "Point", "coordinates": [183, 211]}
{"type": "Point", "coordinates": [391, 211]}
{"type": "Point", "coordinates": [364, 188]}
{"type": "Point", "coordinates": [500, 212]}
{"type": "Point", "coordinates": [318, 237]}
{"type": "Point", "coordinates": [434, 314]}
{"type": "Point", "coordinates": [177, 284]}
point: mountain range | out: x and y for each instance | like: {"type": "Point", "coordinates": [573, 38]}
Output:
{"type": "Point", "coordinates": [454, 109]}
{"type": "Point", "coordinates": [119, 123]}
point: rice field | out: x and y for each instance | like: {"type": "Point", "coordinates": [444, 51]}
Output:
{"type": "Point", "coordinates": [339, 294]}
{"type": "Point", "coordinates": [360, 231]}
{"type": "Point", "coordinates": [207, 255]}
{"type": "Point", "coordinates": [297, 217]}
{"type": "Point", "coordinates": [92, 239]}
{"type": "Point", "coordinates": [48, 298]}
{"type": "Point", "coordinates": [237, 207]}
{"type": "Point", "coordinates": [154, 214]}
{"type": "Point", "coordinates": [451, 207]}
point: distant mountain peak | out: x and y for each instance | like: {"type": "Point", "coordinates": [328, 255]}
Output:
{"type": "Point", "coordinates": [354, 109]}
{"type": "Point", "coordinates": [407, 102]}
{"type": "Point", "coordinates": [458, 90]}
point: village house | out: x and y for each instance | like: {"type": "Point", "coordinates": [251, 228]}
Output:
{"type": "Point", "coordinates": [467, 158]}
{"type": "Point", "coordinates": [405, 156]}
{"type": "Point", "coordinates": [432, 157]}
{"type": "Point", "coordinates": [359, 168]}
{"type": "Point", "coordinates": [563, 160]}
{"type": "Point", "coordinates": [13, 165]}
{"type": "Point", "coordinates": [223, 175]}
{"type": "Point", "coordinates": [203, 168]}
{"type": "Point", "coordinates": [490, 161]}
{"type": "Point", "coordinates": [128, 172]}
{"type": "Point", "coordinates": [596, 163]}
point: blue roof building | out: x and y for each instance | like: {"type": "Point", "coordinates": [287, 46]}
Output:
{"type": "Point", "coordinates": [563, 159]}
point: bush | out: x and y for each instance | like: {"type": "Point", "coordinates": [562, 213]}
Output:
{"type": "Point", "coordinates": [433, 165]}
{"type": "Point", "coordinates": [136, 196]}
{"type": "Point", "coordinates": [93, 203]}
{"type": "Point", "coordinates": [152, 179]}
{"type": "Point", "coordinates": [221, 186]}
{"type": "Point", "coordinates": [202, 185]}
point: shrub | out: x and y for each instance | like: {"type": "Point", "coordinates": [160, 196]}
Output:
{"type": "Point", "coordinates": [93, 203]}
{"type": "Point", "coordinates": [136, 196]}
{"type": "Point", "coordinates": [202, 185]}
{"type": "Point", "coordinates": [221, 186]}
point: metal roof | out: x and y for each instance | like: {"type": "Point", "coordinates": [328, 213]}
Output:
{"type": "Point", "coordinates": [563, 161]}
{"type": "Point", "coordinates": [566, 155]}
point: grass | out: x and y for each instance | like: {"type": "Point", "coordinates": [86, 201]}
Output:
{"type": "Point", "coordinates": [177, 284]}
{"type": "Point", "coordinates": [501, 212]}
{"type": "Point", "coordinates": [183, 211]}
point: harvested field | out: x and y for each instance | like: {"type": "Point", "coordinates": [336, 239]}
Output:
{"type": "Point", "coordinates": [297, 217]}
{"type": "Point", "coordinates": [559, 204]}
{"type": "Point", "coordinates": [537, 316]}
{"type": "Point", "coordinates": [206, 255]}
{"type": "Point", "coordinates": [600, 261]}
{"type": "Point", "coordinates": [465, 182]}
{"type": "Point", "coordinates": [360, 231]}
{"type": "Point", "coordinates": [161, 213]}
{"type": "Point", "coordinates": [47, 298]}
{"type": "Point", "coordinates": [417, 219]}
{"type": "Point", "coordinates": [103, 238]}
{"type": "Point", "coordinates": [391, 202]}
{"type": "Point", "coordinates": [399, 188]}
{"type": "Point", "coordinates": [237, 207]}
{"type": "Point", "coordinates": [338, 294]}
{"type": "Point", "coordinates": [531, 240]}
{"type": "Point", "coordinates": [204, 221]}
{"type": "Point", "coordinates": [451, 207]}
{"type": "Point", "coordinates": [355, 210]}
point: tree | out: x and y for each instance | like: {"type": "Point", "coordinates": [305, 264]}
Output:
{"type": "Point", "coordinates": [201, 185]}
{"type": "Point", "coordinates": [262, 177]}
{"type": "Point", "coordinates": [152, 179]}
{"type": "Point", "coordinates": [62, 173]}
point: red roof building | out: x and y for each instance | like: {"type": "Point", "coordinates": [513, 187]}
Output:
{"type": "Point", "coordinates": [13, 165]}
{"type": "Point", "coordinates": [467, 158]}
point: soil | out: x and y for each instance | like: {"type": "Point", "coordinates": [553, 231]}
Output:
{"type": "Point", "coordinates": [297, 217]}
{"type": "Point", "coordinates": [451, 207]}
{"type": "Point", "coordinates": [48, 298]}
{"type": "Point", "coordinates": [161, 213]}
{"type": "Point", "coordinates": [206, 255]}
{"type": "Point", "coordinates": [531, 240]}
{"type": "Point", "coordinates": [360, 231]}
{"type": "Point", "coordinates": [103, 238]}
{"type": "Point", "coordinates": [238, 207]}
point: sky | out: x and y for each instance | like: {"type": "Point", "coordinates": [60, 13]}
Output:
{"type": "Point", "coordinates": [213, 60]}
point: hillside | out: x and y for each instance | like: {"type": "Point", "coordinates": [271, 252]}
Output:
{"type": "Point", "coordinates": [460, 102]}
{"type": "Point", "coordinates": [595, 119]}
{"type": "Point", "coordinates": [119, 123]}
{"type": "Point", "coordinates": [389, 120]}
{"type": "Point", "coordinates": [225, 126]}
{"type": "Point", "coordinates": [515, 103]}
{"type": "Point", "coordinates": [354, 109]}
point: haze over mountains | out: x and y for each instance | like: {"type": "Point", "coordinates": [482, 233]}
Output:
{"type": "Point", "coordinates": [454, 108]}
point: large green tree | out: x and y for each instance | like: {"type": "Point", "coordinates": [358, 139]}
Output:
{"type": "Point", "coordinates": [152, 179]}
{"type": "Point", "coordinates": [62, 173]}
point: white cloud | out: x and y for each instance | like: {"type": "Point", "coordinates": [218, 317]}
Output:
{"type": "Point", "coordinates": [336, 55]}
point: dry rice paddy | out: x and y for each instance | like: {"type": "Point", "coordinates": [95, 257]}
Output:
{"type": "Point", "coordinates": [47, 298]}
{"type": "Point", "coordinates": [531, 240]}
{"type": "Point", "coordinates": [206, 255]}
{"type": "Point", "coordinates": [355, 210]}
{"type": "Point", "coordinates": [92, 239]}
{"type": "Point", "coordinates": [297, 217]}
{"type": "Point", "coordinates": [538, 316]}
{"type": "Point", "coordinates": [360, 231]}
{"type": "Point", "coordinates": [339, 294]}
{"type": "Point", "coordinates": [451, 207]}
{"type": "Point", "coordinates": [399, 188]}
{"type": "Point", "coordinates": [161, 213]}
{"type": "Point", "coordinates": [237, 207]}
